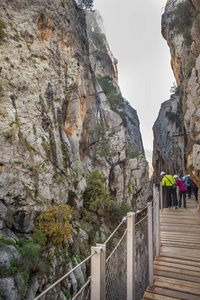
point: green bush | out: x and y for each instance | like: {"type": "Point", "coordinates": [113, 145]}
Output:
{"type": "Point", "coordinates": [96, 195]}
{"type": "Point", "coordinates": [2, 27]}
{"type": "Point", "coordinates": [183, 19]}
{"type": "Point", "coordinates": [135, 154]}
{"type": "Point", "coordinates": [30, 263]}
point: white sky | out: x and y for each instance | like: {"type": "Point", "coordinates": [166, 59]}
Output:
{"type": "Point", "coordinates": [133, 30]}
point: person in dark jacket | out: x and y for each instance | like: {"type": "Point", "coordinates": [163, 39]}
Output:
{"type": "Point", "coordinates": [195, 189]}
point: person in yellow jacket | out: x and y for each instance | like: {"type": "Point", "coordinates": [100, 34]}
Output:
{"type": "Point", "coordinates": [170, 183]}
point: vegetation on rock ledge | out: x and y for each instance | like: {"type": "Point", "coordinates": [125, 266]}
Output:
{"type": "Point", "coordinates": [183, 20]}
{"type": "Point", "coordinates": [2, 27]}
{"type": "Point", "coordinates": [53, 225]}
{"type": "Point", "coordinates": [97, 196]}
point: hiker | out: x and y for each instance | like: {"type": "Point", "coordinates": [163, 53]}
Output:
{"type": "Point", "coordinates": [182, 191]}
{"type": "Point", "coordinates": [183, 179]}
{"type": "Point", "coordinates": [188, 182]}
{"type": "Point", "coordinates": [170, 183]}
{"type": "Point", "coordinates": [195, 189]}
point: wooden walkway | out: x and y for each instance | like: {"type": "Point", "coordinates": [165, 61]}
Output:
{"type": "Point", "coordinates": [177, 269]}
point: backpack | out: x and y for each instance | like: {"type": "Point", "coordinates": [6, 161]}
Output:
{"type": "Point", "coordinates": [193, 185]}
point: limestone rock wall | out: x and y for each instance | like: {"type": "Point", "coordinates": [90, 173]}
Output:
{"type": "Point", "coordinates": [166, 145]}
{"type": "Point", "coordinates": [50, 100]}
{"type": "Point", "coordinates": [185, 61]}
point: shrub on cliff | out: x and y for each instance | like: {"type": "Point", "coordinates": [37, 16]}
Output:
{"type": "Point", "coordinates": [97, 196]}
{"type": "Point", "coordinates": [183, 17]}
{"type": "Point", "coordinates": [30, 263]}
{"type": "Point", "coordinates": [2, 27]}
{"type": "Point", "coordinates": [53, 225]}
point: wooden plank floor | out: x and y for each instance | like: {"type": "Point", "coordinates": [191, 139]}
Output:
{"type": "Point", "coordinates": [177, 269]}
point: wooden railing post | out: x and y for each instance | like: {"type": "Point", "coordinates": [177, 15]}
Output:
{"type": "Point", "coordinates": [157, 224]}
{"type": "Point", "coordinates": [103, 270]}
{"type": "Point", "coordinates": [96, 292]}
{"type": "Point", "coordinates": [161, 196]}
{"type": "Point", "coordinates": [131, 256]}
{"type": "Point", "coordinates": [154, 210]}
{"type": "Point", "coordinates": [150, 243]}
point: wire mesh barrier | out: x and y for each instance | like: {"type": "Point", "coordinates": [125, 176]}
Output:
{"type": "Point", "coordinates": [141, 255]}
{"type": "Point", "coordinates": [116, 271]}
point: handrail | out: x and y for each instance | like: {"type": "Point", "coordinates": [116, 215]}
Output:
{"type": "Point", "coordinates": [116, 245]}
{"type": "Point", "coordinates": [63, 277]}
{"type": "Point", "coordinates": [89, 279]}
{"type": "Point", "coordinates": [79, 292]}
{"type": "Point", "coordinates": [139, 211]}
{"type": "Point", "coordinates": [141, 220]}
{"type": "Point", "coordinates": [123, 220]}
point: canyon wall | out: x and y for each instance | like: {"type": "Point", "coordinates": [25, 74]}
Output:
{"type": "Point", "coordinates": [62, 116]}
{"type": "Point", "coordinates": [181, 31]}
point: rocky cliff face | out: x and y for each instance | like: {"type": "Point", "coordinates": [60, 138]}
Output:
{"type": "Point", "coordinates": [55, 119]}
{"type": "Point", "coordinates": [183, 41]}
{"type": "Point", "coordinates": [169, 140]}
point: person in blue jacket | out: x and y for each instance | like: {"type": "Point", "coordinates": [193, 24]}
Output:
{"type": "Point", "coordinates": [188, 182]}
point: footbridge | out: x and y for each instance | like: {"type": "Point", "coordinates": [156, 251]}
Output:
{"type": "Point", "coordinates": [154, 249]}
{"type": "Point", "coordinates": [177, 268]}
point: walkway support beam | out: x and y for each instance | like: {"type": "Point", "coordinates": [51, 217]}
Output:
{"type": "Point", "coordinates": [131, 256]}
{"type": "Point", "coordinates": [150, 243]}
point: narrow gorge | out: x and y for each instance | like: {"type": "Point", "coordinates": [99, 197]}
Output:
{"type": "Point", "coordinates": [72, 161]}
{"type": "Point", "coordinates": [177, 128]}
{"type": "Point", "coordinates": [65, 130]}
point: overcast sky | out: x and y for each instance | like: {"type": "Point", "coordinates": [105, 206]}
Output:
{"type": "Point", "coordinates": [133, 30]}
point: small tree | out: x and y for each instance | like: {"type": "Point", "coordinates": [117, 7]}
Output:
{"type": "Point", "coordinates": [85, 4]}
{"type": "Point", "coordinates": [96, 194]}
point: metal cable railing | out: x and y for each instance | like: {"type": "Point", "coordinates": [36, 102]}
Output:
{"type": "Point", "coordinates": [81, 292]}
{"type": "Point", "coordinates": [125, 257]}
{"type": "Point", "coordinates": [123, 220]}
{"type": "Point", "coordinates": [63, 277]}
